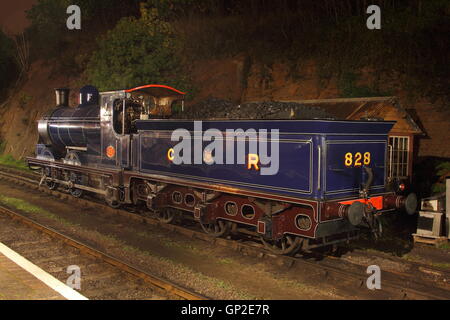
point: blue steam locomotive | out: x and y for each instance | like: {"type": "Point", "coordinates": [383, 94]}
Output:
{"type": "Point", "coordinates": [294, 184]}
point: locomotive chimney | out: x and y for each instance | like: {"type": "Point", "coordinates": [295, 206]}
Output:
{"type": "Point", "coordinates": [62, 97]}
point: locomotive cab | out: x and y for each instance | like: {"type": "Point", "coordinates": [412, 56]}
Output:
{"type": "Point", "coordinates": [120, 110]}
{"type": "Point", "coordinates": [144, 103]}
{"type": "Point", "coordinates": [125, 113]}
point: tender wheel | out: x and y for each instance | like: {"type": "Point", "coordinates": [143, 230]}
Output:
{"type": "Point", "coordinates": [288, 245]}
{"type": "Point", "coordinates": [166, 215]}
{"type": "Point", "coordinates": [217, 229]}
{"type": "Point", "coordinates": [77, 193]}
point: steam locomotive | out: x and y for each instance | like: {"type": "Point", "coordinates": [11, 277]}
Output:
{"type": "Point", "coordinates": [330, 184]}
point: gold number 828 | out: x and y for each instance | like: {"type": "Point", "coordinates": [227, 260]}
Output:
{"type": "Point", "coordinates": [349, 159]}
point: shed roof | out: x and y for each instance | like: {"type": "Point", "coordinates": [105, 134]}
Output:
{"type": "Point", "coordinates": [387, 108]}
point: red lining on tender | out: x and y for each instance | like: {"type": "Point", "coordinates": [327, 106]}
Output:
{"type": "Point", "coordinates": [155, 86]}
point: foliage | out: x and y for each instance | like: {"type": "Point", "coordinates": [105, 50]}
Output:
{"type": "Point", "coordinates": [48, 23]}
{"type": "Point", "coordinates": [8, 66]}
{"type": "Point", "coordinates": [24, 99]}
{"type": "Point", "coordinates": [443, 172]}
{"type": "Point", "coordinates": [20, 204]}
{"type": "Point", "coordinates": [412, 43]}
{"type": "Point", "coordinates": [176, 9]}
{"type": "Point", "coordinates": [347, 85]}
{"type": "Point", "coordinates": [9, 161]}
{"type": "Point", "coordinates": [446, 246]}
{"type": "Point", "coordinates": [46, 14]}
{"type": "Point", "coordinates": [50, 15]}
{"type": "Point", "coordinates": [137, 52]}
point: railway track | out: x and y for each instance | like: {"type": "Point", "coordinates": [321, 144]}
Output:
{"type": "Point", "coordinates": [396, 285]}
{"type": "Point", "coordinates": [126, 280]}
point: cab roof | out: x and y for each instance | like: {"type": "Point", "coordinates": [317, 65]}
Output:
{"type": "Point", "coordinates": [158, 90]}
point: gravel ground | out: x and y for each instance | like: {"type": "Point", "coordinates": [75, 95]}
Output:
{"type": "Point", "coordinates": [384, 264]}
{"type": "Point", "coordinates": [219, 273]}
{"type": "Point", "coordinates": [98, 280]}
{"type": "Point", "coordinates": [214, 271]}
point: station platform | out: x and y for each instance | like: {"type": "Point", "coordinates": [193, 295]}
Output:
{"type": "Point", "coordinates": [22, 280]}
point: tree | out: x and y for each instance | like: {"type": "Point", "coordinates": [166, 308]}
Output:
{"type": "Point", "coordinates": [48, 30]}
{"type": "Point", "coordinates": [137, 52]}
{"type": "Point", "coordinates": [8, 66]}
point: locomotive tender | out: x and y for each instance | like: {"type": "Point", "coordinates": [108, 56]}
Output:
{"type": "Point", "coordinates": [330, 184]}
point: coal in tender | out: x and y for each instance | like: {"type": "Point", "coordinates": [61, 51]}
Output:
{"type": "Point", "coordinates": [214, 108]}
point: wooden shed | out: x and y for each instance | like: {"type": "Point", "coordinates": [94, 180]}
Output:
{"type": "Point", "coordinates": [401, 137]}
